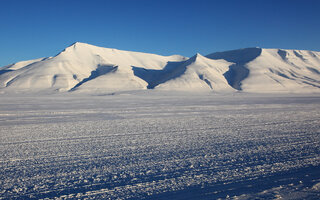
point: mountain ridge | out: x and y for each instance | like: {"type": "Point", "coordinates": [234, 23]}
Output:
{"type": "Point", "coordinates": [87, 68]}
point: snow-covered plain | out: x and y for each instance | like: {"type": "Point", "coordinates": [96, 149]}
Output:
{"type": "Point", "coordinates": [160, 145]}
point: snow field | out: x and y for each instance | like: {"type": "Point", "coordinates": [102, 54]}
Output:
{"type": "Point", "coordinates": [160, 146]}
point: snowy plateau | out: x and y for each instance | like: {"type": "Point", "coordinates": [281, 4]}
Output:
{"type": "Point", "coordinates": [99, 123]}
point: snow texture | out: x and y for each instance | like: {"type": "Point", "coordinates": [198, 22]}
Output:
{"type": "Point", "coordinates": [160, 145]}
{"type": "Point", "coordinates": [84, 68]}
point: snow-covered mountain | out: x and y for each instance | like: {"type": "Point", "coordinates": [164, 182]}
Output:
{"type": "Point", "coordinates": [272, 70]}
{"type": "Point", "coordinates": [90, 69]}
{"type": "Point", "coordinates": [83, 67]}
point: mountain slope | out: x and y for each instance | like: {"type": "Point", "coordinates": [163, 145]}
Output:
{"type": "Point", "coordinates": [80, 63]}
{"type": "Point", "coordinates": [284, 71]}
{"type": "Point", "coordinates": [272, 70]}
{"type": "Point", "coordinates": [197, 73]}
{"type": "Point", "coordinates": [90, 69]}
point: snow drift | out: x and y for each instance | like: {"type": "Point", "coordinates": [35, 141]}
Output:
{"type": "Point", "coordinates": [90, 69]}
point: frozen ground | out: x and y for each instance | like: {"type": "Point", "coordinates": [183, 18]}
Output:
{"type": "Point", "coordinates": [160, 146]}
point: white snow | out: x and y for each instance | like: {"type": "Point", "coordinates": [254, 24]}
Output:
{"type": "Point", "coordinates": [84, 68]}
{"type": "Point", "coordinates": [197, 74]}
{"type": "Point", "coordinates": [160, 145]}
{"type": "Point", "coordinates": [21, 64]}
{"type": "Point", "coordinates": [143, 126]}
{"type": "Point", "coordinates": [298, 71]}
{"type": "Point", "coordinates": [76, 63]}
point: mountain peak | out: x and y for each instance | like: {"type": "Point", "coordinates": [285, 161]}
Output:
{"type": "Point", "coordinates": [79, 48]}
{"type": "Point", "coordinates": [79, 44]}
{"type": "Point", "coordinates": [196, 57]}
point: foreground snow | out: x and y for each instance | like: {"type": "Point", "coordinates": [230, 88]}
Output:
{"type": "Point", "coordinates": [160, 145]}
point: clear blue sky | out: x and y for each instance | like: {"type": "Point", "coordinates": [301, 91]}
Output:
{"type": "Point", "coordinates": [41, 28]}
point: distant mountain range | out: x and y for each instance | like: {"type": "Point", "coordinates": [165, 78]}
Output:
{"type": "Point", "coordinates": [84, 68]}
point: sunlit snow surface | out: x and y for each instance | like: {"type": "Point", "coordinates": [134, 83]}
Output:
{"type": "Point", "coordinates": [160, 146]}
